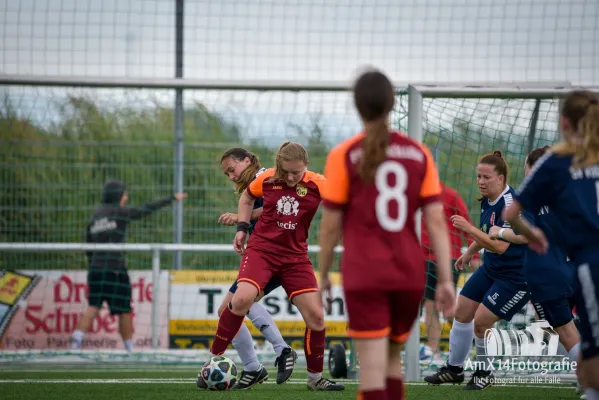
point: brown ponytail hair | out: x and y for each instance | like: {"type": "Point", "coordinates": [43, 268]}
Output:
{"type": "Point", "coordinates": [374, 98]}
{"type": "Point", "coordinates": [498, 162]}
{"type": "Point", "coordinates": [534, 155]}
{"type": "Point", "coordinates": [581, 109]}
{"type": "Point", "coordinates": [288, 151]}
{"type": "Point", "coordinates": [248, 174]}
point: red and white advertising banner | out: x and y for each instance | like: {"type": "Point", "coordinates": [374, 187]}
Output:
{"type": "Point", "coordinates": [40, 309]}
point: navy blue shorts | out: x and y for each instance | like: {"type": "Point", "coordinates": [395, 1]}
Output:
{"type": "Point", "coordinates": [502, 298]}
{"type": "Point", "coordinates": [587, 308]}
{"type": "Point", "coordinates": [557, 312]}
{"type": "Point", "coordinates": [270, 286]}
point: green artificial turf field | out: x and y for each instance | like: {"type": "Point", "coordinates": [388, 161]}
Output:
{"type": "Point", "coordinates": [112, 382]}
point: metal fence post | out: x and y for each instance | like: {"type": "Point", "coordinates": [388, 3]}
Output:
{"type": "Point", "coordinates": [155, 297]}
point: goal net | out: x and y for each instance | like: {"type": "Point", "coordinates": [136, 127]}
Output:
{"type": "Point", "coordinates": [459, 131]}
{"type": "Point", "coordinates": [64, 143]}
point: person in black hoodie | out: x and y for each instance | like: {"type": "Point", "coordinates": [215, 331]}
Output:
{"type": "Point", "coordinates": [107, 279]}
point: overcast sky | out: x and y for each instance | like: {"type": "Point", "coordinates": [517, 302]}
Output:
{"type": "Point", "coordinates": [424, 40]}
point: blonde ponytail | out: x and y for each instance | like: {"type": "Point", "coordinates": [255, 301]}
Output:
{"type": "Point", "coordinates": [587, 153]}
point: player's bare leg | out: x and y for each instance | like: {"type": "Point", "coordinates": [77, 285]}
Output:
{"type": "Point", "coordinates": [126, 330]}
{"type": "Point", "coordinates": [395, 378]}
{"type": "Point", "coordinates": [588, 376]}
{"type": "Point", "coordinates": [83, 325]}
{"type": "Point", "coordinates": [373, 368]}
{"type": "Point", "coordinates": [433, 325]}
{"type": "Point", "coordinates": [460, 344]}
{"type": "Point", "coordinates": [310, 306]}
{"type": "Point", "coordinates": [570, 339]}
{"type": "Point", "coordinates": [225, 302]}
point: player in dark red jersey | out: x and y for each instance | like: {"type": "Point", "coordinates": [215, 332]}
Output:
{"type": "Point", "coordinates": [242, 167]}
{"type": "Point", "coordinates": [453, 204]}
{"type": "Point", "coordinates": [278, 248]}
{"type": "Point", "coordinates": [376, 181]}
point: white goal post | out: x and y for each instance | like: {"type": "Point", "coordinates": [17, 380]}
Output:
{"type": "Point", "coordinates": [417, 93]}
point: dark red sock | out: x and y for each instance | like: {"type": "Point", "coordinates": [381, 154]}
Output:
{"type": "Point", "coordinates": [314, 350]}
{"type": "Point", "coordinates": [374, 395]}
{"type": "Point", "coordinates": [395, 389]}
{"type": "Point", "coordinates": [228, 326]}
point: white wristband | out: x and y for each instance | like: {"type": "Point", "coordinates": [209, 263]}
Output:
{"type": "Point", "coordinates": [500, 234]}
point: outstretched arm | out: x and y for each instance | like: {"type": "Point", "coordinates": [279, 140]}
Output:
{"type": "Point", "coordinates": [139, 212]}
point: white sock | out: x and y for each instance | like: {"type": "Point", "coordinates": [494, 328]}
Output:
{"type": "Point", "coordinates": [76, 339]}
{"type": "Point", "coordinates": [460, 342]}
{"type": "Point", "coordinates": [129, 345]}
{"type": "Point", "coordinates": [244, 344]}
{"type": "Point", "coordinates": [592, 394]}
{"type": "Point", "coordinates": [263, 321]}
{"type": "Point", "coordinates": [314, 377]}
{"type": "Point", "coordinates": [481, 353]}
{"type": "Point", "coordinates": [573, 353]}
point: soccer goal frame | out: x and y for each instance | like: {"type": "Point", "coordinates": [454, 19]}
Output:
{"type": "Point", "coordinates": [416, 95]}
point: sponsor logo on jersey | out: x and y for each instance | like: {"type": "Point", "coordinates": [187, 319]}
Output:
{"type": "Point", "coordinates": [301, 190]}
{"type": "Point", "coordinates": [288, 205]}
{"type": "Point", "coordinates": [286, 225]}
{"type": "Point", "coordinates": [492, 221]}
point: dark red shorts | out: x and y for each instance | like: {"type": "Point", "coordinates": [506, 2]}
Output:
{"type": "Point", "coordinates": [378, 314]}
{"type": "Point", "coordinates": [296, 274]}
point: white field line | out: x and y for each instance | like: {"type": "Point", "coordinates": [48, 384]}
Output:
{"type": "Point", "coordinates": [191, 381]}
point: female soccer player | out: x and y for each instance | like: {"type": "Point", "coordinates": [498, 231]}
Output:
{"type": "Point", "coordinates": [375, 183]}
{"type": "Point", "coordinates": [278, 248]}
{"type": "Point", "coordinates": [550, 277]}
{"type": "Point", "coordinates": [242, 167]}
{"type": "Point", "coordinates": [566, 179]}
{"type": "Point", "coordinates": [497, 290]}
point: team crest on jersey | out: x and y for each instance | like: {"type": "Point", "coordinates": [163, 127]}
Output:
{"type": "Point", "coordinates": [492, 220]}
{"type": "Point", "coordinates": [301, 190]}
{"type": "Point", "coordinates": [288, 205]}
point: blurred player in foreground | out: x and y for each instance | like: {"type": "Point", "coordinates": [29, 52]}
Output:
{"type": "Point", "coordinates": [242, 167]}
{"type": "Point", "coordinates": [375, 183]}
{"type": "Point", "coordinates": [278, 248]}
{"type": "Point", "coordinates": [549, 277]}
{"type": "Point", "coordinates": [107, 279]}
{"type": "Point", "coordinates": [452, 205]}
{"type": "Point", "coordinates": [566, 180]}
{"type": "Point", "coordinates": [497, 290]}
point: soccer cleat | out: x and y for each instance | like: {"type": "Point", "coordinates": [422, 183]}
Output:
{"type": "Point", "coordinates": [480, 380]}
{"type": "Point", "coordinates": [285, 364]}
{"type": "Point", "coordinates": [445, 374]}
{"type": "Point", "coordinates": [250, 378]}
{"type": "Point", "coordinates": [324, 384]}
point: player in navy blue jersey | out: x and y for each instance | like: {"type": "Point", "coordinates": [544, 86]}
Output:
{"type": "Point", "coordinates": [242, 167]}
{"type": "Point", "coordinates": [496, 291]}
{"type": "Point", "coordinates": [550, 277]}
{"type": "Point", "coordinates": [566, 179]}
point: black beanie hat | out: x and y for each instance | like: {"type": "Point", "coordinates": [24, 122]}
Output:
{"type": "Point", "coordinates": [113, 191]}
